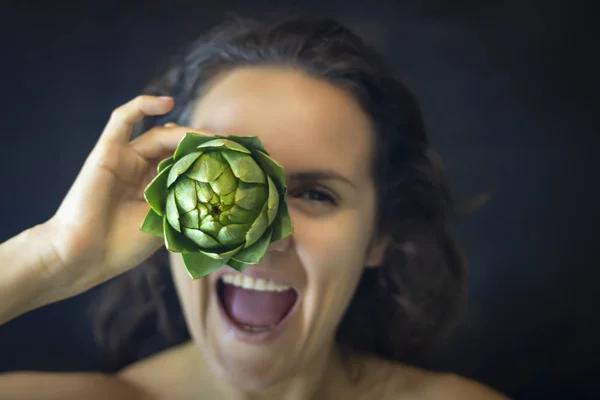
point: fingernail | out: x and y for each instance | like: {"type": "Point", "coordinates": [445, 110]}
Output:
{"type": "Point", "coordinates": [170, 124]}
{"type": "Point", "coordinates": [165, 97]}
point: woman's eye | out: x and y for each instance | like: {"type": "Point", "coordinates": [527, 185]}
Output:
{"type": "Point", "coordinates": [315, 195]}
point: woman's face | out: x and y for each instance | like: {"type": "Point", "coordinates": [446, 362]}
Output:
{"type": "Point", "coordinates": [256, 336]}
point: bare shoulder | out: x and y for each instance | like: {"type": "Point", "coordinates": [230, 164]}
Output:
{"type": "Point", "coordinates": [412, 383]}
{"type": "Point", "coordinates": [455, 387]}
{"type": "Point", "coordinates": [163, 375]}
{"type": "Point", "coordinates": [45, 385]}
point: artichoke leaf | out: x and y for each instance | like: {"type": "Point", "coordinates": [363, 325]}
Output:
{"type": "Point", "coordinates": [282, 225]}
{"type": "Point", "coordinates": [210, 226]}
{"type": "Point", "coordinates": [225, 183]}
{"type": "Point", "coordinates": [224, 219]}
{"type": "Point", "coordinates": [190, 219]}
{"type": "Point", "coordinates": [258, 228]}
{"type": "Point", "coordinates": [225, 143]}
{"type": "Point", "coordinates": [172, 212]}
{"type": "Point", "coordinates": [153, 224]}
{"type": "Point", "coordinates": [199, 265]}
{"type": "Point", "coordinates": [156, 192]}
{"type": "Point", "coordinates": [244, 167]}
{"type": "Point", "coordinates": [202, 210]}
{"type": "Point", "coordinates": [202, 239]}
{"type": "Point", "coordinates": [215, 200]}
{"type": "Point", "coordinates": [238, 266]}
{"type": "Point", "coordinates": [164, 164]}
{"type": "Point", "coordinates": [185, 194]}
{"type": "Point", "coordinates": [251, 196]}
{"type": "Point", "coordinates": [272, 201]}
{"type": "Point", "coordinates": [204, 192]}
{"type": "Point", "coordinates": [254, 253]}
{"type": "Point", "coordinates": [228, 199]}
{"type": "Point", "coordinates": [190, 143]}
{"type": "Point", "coordinates": [182, 166]}
{"type": "Point", "coordinates": [233, 234]}
{"type": "Point", "coordinates": [223, 254]}
{"type": "Point", "coordinates": [177, 242]}
{"type": "Point", "coordinates": [207, 167]}
{"type": "Point", "coordinates": [249, 142]}
{"type": "Point", "coordinates": [272, 169]}
{"type": "Point", "coordinates": [239, 215]}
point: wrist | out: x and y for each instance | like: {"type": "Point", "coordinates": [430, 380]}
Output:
{"type": "Point", "coordinates": [26, 277]}
{"type": "Point", "coordinates": [47, 267]}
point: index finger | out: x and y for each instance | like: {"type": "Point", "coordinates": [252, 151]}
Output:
{"type": "Point", "coordinates": [120, 125]}
{"type": "Point", "coordinates": [162, 140]}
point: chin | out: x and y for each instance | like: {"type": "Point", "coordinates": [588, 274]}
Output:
{"type": "Point", "coordinates": [249, 334]}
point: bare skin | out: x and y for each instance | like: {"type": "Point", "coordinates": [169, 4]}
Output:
{"type": "Point", "coordinates": [379, 379]}
{"type": "Point", "coordinates": [304, 123]}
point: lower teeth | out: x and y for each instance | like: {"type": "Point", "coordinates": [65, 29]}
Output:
{"type": "Point", "coordinates": [255, 328]}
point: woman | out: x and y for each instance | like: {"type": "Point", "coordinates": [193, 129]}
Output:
{"type": "Point", "coordinates": [372, 272]}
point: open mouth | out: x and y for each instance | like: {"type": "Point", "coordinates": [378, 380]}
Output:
{"type": "Point", "coordinates": [255, 305]}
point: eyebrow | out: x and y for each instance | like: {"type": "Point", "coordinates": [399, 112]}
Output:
{"type": "Point", "coordinates": [319, 176]}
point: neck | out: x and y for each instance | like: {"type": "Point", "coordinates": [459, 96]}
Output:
{"type": "Point", "coordinates": [316, 379]}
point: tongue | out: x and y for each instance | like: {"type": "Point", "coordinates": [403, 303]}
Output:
{"type": "Point", "coordinates": [257, 308]}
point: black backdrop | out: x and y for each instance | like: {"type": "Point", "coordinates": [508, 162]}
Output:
{"type": "Point", "coordinates": [508, 89]}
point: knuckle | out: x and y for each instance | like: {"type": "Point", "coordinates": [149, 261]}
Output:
{"type": "Point", "coordinates": [107, 155]}
{"type": "Point", "coordinates": [155, 130]}
{"type": "Point", "coordinates": [119, 113]}
{"type": "Point", "coordinates": [122, 112]}
{"type": "Point", "coordinates": [151, 133]}
{"type": "Point", "coordinates": [138, 100]}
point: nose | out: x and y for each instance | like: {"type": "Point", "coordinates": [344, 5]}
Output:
{"type": "Point", "coordinates": [280, 245]}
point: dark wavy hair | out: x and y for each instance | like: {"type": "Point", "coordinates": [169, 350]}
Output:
{"type": "Point", "coordinates": [399, 309]}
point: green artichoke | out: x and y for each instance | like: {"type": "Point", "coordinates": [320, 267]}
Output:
{"type": "Point", "coordinates": [218, 200]}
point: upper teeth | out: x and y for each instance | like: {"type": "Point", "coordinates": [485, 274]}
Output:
{"type": "Point", "coordinates": [246, 282]}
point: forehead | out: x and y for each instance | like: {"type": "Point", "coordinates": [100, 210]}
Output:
{"type": "Point", "coordinates": [304, 123]}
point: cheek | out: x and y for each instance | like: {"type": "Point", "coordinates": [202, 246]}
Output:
{"type": "Point", "coordinates": [332, 251]}
{"type": "Point", "coordinates": [188, 292]}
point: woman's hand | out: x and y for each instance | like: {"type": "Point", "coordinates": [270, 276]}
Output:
{"type": "Point", "coordinates": [95, 234]}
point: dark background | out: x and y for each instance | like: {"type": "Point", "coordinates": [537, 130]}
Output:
{"type": "Point", "coordinates": [509, 89]}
